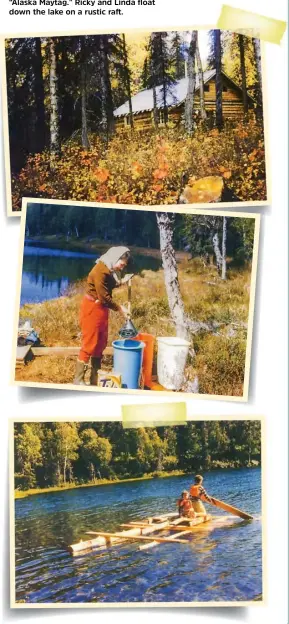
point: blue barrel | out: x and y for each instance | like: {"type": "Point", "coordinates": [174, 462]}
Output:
{"type": "Point", "coordinates": [127, 361]}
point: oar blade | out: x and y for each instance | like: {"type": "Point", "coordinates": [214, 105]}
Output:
{"type": "Point", "coordinates": [233, 510]}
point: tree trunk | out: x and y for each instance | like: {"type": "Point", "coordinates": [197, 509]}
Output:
{"type": "Point", "coordinates": [243, 73]}
{"type": "Point", "coordinates": [166, 116]}
{"type": "Point", "coordinates": [219, 81]}
{"type": "Point", "coordinates": [201, 82]}
{"type": "Point", "coordinates": [40, 128]}
{"type": "Point", "coordinates": [54, 103]}
{"type": "Point", "coordinates": [84, 130]}
{"type": "Point", "coordinates": [127, 81]}
{"type": "Point", "coordinates": [257, 52]}
{"type": "Point", "coordinates": [154, 81]}
{"type": "Point", "coordinates": [176, 305]}
{"type": "Point", "coordinates": [217, 252]}
{"type": "Point", "coordinates": [107, 119]}
{"type": "Point", "coordinates": [155, 110]}
{"type": "Point", "coordinates": [224, 249]}
{"type": "Point", "coordinates": [189, 103]}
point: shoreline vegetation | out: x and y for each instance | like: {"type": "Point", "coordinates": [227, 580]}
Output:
{"type": "Point", "coordinates": [18, 494]}
{"type": "Point", "coordinates": [91, 244]}
{"type": "Point", "coordinates": [50, 456]}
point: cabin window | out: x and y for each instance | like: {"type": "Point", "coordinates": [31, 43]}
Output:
{"type": "Point", "coordinates": [206, 87]}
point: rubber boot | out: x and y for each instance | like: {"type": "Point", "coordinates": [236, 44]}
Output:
{"type": "Point", "coordinates": [95, 366]}
{"type": "Point", "coordinates": [81, 368]}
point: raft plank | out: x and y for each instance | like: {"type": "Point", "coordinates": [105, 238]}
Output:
{"type": "Point", "coordinates": [174, 538]}
{"type": "Point", "coordinates": [123, 535]}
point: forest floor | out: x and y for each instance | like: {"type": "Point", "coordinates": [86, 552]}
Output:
{"type": "Point", "coordinates": [147, 168]}
{"type": "Point", "coordinates": [219, 360]}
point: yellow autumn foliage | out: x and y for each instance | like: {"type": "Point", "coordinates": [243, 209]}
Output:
{"type": "Point", "coordinates": [147, 168]}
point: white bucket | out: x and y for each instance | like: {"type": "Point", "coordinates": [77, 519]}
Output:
{"type": "Point", "coordinates": [172, 357]}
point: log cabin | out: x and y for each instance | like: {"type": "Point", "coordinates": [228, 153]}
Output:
{"type": "Point", "coordinates": [142, 102]}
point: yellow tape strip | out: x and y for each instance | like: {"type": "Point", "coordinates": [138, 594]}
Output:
{"type": "Point", "coordinates": [155, 415]}
{"type": "Point", "coordinates": [251, 24]}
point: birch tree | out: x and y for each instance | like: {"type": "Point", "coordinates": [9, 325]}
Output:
{"type": "Point", "coordinates": [66, 443]}
{"type": "Point", "coordinates": [54, 102]}
{"type": "Point", "coordinates": [39, 95]}
{"type": "Point", "coordinates": [189, 103]}
{"type": "Point", "coordinates": [241, 42]}
{"type": "Point", "coordinates": [176, 305]}
{"type": "Point", "coordinates": [201, 81]}
{"type": "Point", "coordinates": [217, 251]}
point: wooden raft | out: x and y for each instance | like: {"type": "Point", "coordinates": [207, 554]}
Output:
{"type": "Point", "coordinates": [143, 531]}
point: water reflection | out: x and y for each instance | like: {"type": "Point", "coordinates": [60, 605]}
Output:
{"type": "Point", "coordinates": [47, 273]}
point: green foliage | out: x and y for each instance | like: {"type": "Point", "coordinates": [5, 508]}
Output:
{"type": "Point", "coordinates": [93, 450]}
{"type": "Point", "coordinates": [28, 447]}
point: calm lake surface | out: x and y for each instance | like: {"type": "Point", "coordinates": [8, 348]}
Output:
{"type": "Point", "coordinates": [224, 564]}
{"type": "Point", "coordinates": [48, 272]}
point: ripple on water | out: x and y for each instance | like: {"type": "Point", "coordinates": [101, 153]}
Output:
{"type": "Point", "coordinates": [219, 565]}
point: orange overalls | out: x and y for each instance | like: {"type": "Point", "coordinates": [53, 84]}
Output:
{"type": "Point", "coordinates": [94, 312]}
{"type": "Point", "coordinates": [94, 328]}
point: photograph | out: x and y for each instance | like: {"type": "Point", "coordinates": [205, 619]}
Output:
{"type": "Point", "coordinates": [133, 300]}
{"type": "Point", "coordinates": [102, 515]}
{"type": "Point", "coordinates": [138, 118]}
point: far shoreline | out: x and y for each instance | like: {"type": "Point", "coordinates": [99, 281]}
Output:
{"type": "Point", "coordinates": [91, 245]}
{"type": "Point", "coordinates": [19, 494]}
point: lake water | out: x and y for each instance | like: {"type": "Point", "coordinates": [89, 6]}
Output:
{"type": "Point", "coordinates": [47, 273]}
{"type": "Point", "coordinates": [224, 564]}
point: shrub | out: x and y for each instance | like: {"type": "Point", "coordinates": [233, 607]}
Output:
{"type": "Point", "coordinates": [147, 168]}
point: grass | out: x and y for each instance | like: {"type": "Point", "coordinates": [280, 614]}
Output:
{"type": "Point", "coordinates": [219, 358]}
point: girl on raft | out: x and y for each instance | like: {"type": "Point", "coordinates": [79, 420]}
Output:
{"type": "Point", "coordinates": [94, 310]}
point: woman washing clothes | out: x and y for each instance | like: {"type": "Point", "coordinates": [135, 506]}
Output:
{"type": "Point", "coordinates": [94, 310]}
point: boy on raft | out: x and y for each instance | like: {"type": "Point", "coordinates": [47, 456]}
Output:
{"type": "Point", "coordinates": [199, 494]}
{"type": "Point", "coordinates": [185, 506]}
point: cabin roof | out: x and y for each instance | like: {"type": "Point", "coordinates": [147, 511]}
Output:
{"type": "Point", "coordinates": [176, 95]}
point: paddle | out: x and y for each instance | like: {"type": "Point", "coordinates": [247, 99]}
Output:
{"type": "Point", "coordinates": [233, 510]}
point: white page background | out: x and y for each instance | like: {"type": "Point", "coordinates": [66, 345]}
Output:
{"type": "Point", "coordinates": [268, 387]}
